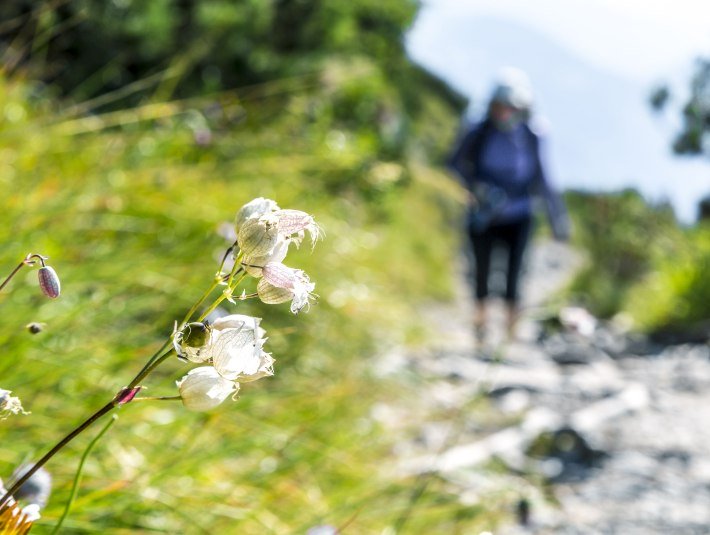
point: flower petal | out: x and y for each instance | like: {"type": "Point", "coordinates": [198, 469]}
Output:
{"type": "Point", "coordinates": [279, 275]}
{"type": "Point", "coordinates": [272, 295]}
{"type": "Point", "coordinates": [236, 321]}
{"type": "Point", "coordinates": [234, 351]}
{"type": "Point", "coordinates": [265, 368]}
{"type": "Point", "coordinates": [254, 209]}
{"type": "Point", "coordinates": [203, 388]}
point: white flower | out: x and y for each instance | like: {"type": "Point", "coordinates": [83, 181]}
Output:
{"type": "Point", "coordinates": [264, 233]}
{"type": "Point", "coordinates": [236, 349]}
{"type": "Point", "coordinates": [14, 516]}
{"type": "Point", "coordinates": [254, 210]}
{"type": "Point", "coordinates": [31, 512]}
{"type": "Point", "coordinates": [254, 264]}
{"type": "Point", "coordinates": [293, 224]}
{"type": "Point", "coordinates": [281, 283]}
{"type": "Point", "coordinates": [203, 388]}
{"type": "Point", "coordinates": [9, 404]}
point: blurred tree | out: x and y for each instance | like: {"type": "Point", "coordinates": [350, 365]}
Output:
{"type": "Point", "coordinates": [694, 138]}
{"type": "Point", "coordinates": [88, 47]}
{"type": "Point", "coordinates": [182, 48]}
{"type": "Point", "coordinates": [659, 97]}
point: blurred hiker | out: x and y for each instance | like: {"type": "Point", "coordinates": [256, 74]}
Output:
{"type": "Point", "coordinates": [499, 162]}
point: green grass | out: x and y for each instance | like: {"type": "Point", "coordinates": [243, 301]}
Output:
{"type": "Point", "coordinates": [127, 206]}
{"type": "Point", "coordinates": [641, 261]}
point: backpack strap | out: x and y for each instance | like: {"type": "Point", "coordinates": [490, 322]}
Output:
{"type": "Point", "coordinates": [466, 159]}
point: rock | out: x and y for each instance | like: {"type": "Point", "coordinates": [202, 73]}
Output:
{"type": "Point", "coordinates": [565, 350]}
{"type": "Point", "coordinates": [634, 397]}
{"type": "Point", "coordinates": [599, 379]}
{"type": "Point", "coordinates": [612, 343]}
{"type": "Point", "coordinates": [565, 452]}
{"type": "Point", "coordinates": [514, 401]}
{"type": "Point", "coordinates": [639, 345]}
{"type": "Point", "coordinates": [578, 320]}
{"type": "Point", "coordinates": [509, 444]}
{"type": "Point", "coordinates": [696, 333]}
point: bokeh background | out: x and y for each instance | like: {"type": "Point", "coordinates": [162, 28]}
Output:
{"type": "Point", "coordinates": [130, 132]}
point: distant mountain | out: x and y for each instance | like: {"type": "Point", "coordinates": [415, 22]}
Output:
{"type": "Point", "coordinates": [602, 132]}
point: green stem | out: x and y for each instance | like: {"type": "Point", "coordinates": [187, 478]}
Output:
{"type": "Point", "coordinates": [218, 280]}
{"type": "Point", "coordinates": [149, 365]}
{"type": "Point", "coordinates": [224, 258]}
{"type": "Point", "coordinates": [221, 297]}
{"type": "Point", "coordinates": [14, 271]}
{"type": "Point", "coordinates": [152, 364]}
{"type": "Point", "coordinates": [51, 453]}
{"type": "Point", "coordinates": [198, 303]}
{"type": "Point", "coordinates": [236, 268]}
{"type": "Point", "coordinates": [79, 470]}
{"type": "Point", "coordinates": [158, 357]}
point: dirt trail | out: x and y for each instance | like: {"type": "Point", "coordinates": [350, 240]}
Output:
{"type": "Point", "coordinates": [620, 427]}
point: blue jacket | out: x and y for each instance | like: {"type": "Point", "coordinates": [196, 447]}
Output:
{"type": "Point", "coordinates": [509, 161]}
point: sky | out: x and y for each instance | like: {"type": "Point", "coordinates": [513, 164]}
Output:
{"type": "Point", "coordinates": [654, 35]}
{"type": "Point", "coordinates": [633, 42]}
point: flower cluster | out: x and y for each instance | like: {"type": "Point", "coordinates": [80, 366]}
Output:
{"type": "Point", "coordinates": [230, 350]}
{"type": "Point", "coordinates": [233, 350]}
{"type": "Point", "coordinates": [227, 351]}
{"type": "Point", "coordinates": [264, 234]}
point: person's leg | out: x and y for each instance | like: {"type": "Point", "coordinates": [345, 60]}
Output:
{"type": "Point", "coordinates": [481, 244]}
{"type": "Point", "coordinates": [516, 237]}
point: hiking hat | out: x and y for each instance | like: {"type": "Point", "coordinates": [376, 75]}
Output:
{"type": "Point", "coordinates": [513, 89]}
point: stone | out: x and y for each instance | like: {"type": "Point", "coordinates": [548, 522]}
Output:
{"type": "Point", "coordinates": [567, 350]}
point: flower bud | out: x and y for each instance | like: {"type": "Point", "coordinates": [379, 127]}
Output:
{"type": "Point", "coordinates": [203, 389]}
{"type": "Point", "coordinates": [195, 334]}
{"type": "Point", "coordinates": [126, 395]}
{"type": "Point", "coordinates": [49, 282]}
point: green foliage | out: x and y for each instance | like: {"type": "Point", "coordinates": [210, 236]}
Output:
{"type": "Point", "coordinates": [197, 45]}
{"type": "Point", "coordinates": [675, 295]}
{"type": "Point", "coordinates": [692, 138]}
{"type": "Point", "coordinates": [696, 114]}
{"type": "Point", "coordinates": [126, 204]}
{"type": "Point", "coordinates": [642, 262]}
{"type": "Point", "coordinates": [619, 232]}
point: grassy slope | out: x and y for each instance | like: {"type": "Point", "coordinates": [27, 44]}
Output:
{"type": "Point", "coordinates": [127, 211]}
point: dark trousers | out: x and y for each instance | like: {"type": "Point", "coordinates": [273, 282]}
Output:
{"type": "Point", "coordinates": [514, 236]}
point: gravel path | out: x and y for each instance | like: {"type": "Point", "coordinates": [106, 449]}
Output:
{"type": "Point", "coordinates": [601, 432]}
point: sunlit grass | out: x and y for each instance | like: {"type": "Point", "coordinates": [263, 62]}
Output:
{"type": "Point", "coordinates": [127, 206]}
